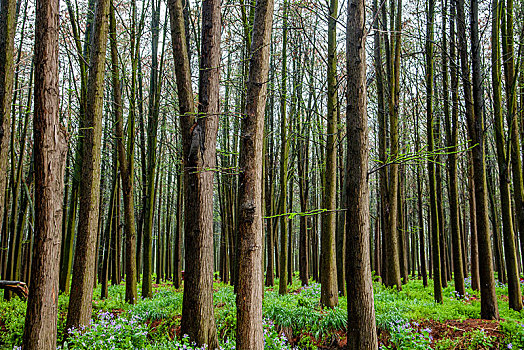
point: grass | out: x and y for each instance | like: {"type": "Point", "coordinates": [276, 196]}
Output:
{"type": "Point", "coordinates": [298, 315]}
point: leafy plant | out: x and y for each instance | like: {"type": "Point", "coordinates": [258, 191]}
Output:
{"type": "Point", "coordinates": [109, 332]}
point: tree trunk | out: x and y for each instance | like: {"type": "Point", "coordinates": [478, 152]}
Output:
{"type": "Point", "coordinates": [199, 146]}
{"type": "Point", "coordinates": [7, 37]}
{"type": "Point", "coordinates": [452, 136]}
{"type": "Point", "coordinates": [177, 268]}
{"type": "Point", "coordinates": [126, 169]}
{"type": "Point", "coordinates": [362, 333]}
{"type": "Point", "coordinates": [489, 307]}
{"type": "Point", "coordinates": [328, 276]}
{"type": "Point", "coordinates": [435, 231]}
{"type": "Point", "coordinates": [80, 301]}
{"type": "Point", "coordinates": [514, 296]}
{"type": "Point", "coordinates": [284, 154]}
{"type": "Point", "coordinates": [50, 150]}
{"type": "Point", "coordinates": [250, 221]}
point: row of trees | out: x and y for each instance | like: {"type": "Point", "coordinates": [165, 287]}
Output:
{"type": "Point", "coordinates": [265, 169]}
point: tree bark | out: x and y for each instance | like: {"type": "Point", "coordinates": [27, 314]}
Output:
{"type": "Point", "coordinates": [489, 306]}
{"type": "Point", "coordinates": [50, 150]}
{"type": "Point", "coordinates": [328, 275]}
{"type": "Point", "coordinates": [435, 232]}
{"type": "Point", "coordinates": [514, 295]}
{"type": "Point", "coordinates": [250, 221]}
{"type": "Point", "coordinates": [452, 144]}
{"type": "Point", "coordinates": [362, 333]}
{"type": "Point", "coordinates": [80, 301]}
{"type": "Point", "coordinates": [199, 145]}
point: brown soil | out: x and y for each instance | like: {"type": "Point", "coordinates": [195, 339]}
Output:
{"type": "Point", "coordinates": [450, 329]}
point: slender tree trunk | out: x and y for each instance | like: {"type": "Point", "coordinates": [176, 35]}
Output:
{"type": "Point", "coordinates": [328, 277]}
{"type": "Point", "coordinates": [514, 295]}
{"type": "Point", "coordinates": [152, 130]}
{"type": "Point", "coordinates": [437, 283]}
{"type": "Point", "coordinates": [50, 150]}
{"type": "Point", "coordinates": [452, 144]}
{"type": "Point", "coordinates": [506, 16]}
{"type": "Point", "coordinates": [80, 301]}
{"type": "Point", "coordinates": [284, 154]}
{"type": "Point", "coordinates": [393, 64]}
{"type": "Point", "coordinates": [126, 168]}
{"type": "Point", "coordinates": [107, 234]}
{"type": "Point", "coordinates": [177, 268]}
{"type": "Point", "coordinates": [7, 37]}
{"type": "Point", "coordinates": [489, 307]}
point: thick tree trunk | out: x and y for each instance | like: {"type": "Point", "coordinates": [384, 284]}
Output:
{"type": "Point", "coordinates": [362, 333]}
{"type": "Point", "coordinates": [50, 150]}
{"type": "Point", "coordinates": [199, 145]}
{"type": "Point", "coordinates": [250, 221]}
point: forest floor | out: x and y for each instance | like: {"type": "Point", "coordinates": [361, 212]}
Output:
{"type": "Point", "coordinates": [408, 319]}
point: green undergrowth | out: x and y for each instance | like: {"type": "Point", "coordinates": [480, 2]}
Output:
{"type": "Point", "coordinates": [153, 323]}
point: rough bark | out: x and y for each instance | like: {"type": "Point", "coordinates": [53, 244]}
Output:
{"type": "Point", "coordinates": [199, 146]}
{"type": "Point", "coordinates": [489, 306]}
{"type": "Point", "coordinates": [250, 220]}
{"type": "Point", "coordinates": [362, 333]}
{"type": "Point", "coordinates": [125, 159]}
{"type": "Point", "coordinates": [328, 275]}
{"type": "Point", "coordinates": [7, 36]}
{"type": "Point", "coordinates": [80, 301]}
{"type": "Point", "coordinates": [50, 150]}
{"type": "Point", "coordinates": [515, 299]}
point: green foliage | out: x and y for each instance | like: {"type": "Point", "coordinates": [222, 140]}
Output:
{"type": "Point", "coordinates": [115, 300]}
{"type": "Point", "coordinates": [477, 339]}
{"type": "Point", "coordinates": [514, 334]}
{"type": "Point", "coordinates": [273, 340]}
{"type": "Point", "coordinates": [404, 336]}
{"type": "Point", "coordinates": [151, 323]}
{"type": "Point", "coordinates": [109, 332]}
{"type": "Point", "coordinates": [164, 304]}
{"type": "Point", "coordinates": [12, 313]}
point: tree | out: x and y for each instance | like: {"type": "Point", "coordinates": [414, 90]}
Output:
{"type": "Point", "coordinates": [362, 333]}
{"type": "Point", "coordinates": [199, 150]}
{"type": "Point", "coordinates": [7, 38]}
{"type": "Point", "coordinates": [50, 150]}
{"type": "Point", "coordinates": [284, 155]}
{"type": "Point", "coordinates": [328, 275]}
{"type": "Point", "coordinates": [392, 48]}
{"type": "Point", "coordinates": [80, 304]}
{"type": "Point", "coordinates": [452, 136]}
{"type": "Point", "coordinates": [435, 231]}
{"type": "Point", "coordinates": [250, 222]}
{"type": "Point", "coordinates": [151, 169]}
{"type": "Point", "coordinates": [514, 296]}
{"type": "Point", "coordinates": [125, 160]}
{"type": "Point", "coordinates": [489, 308]}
